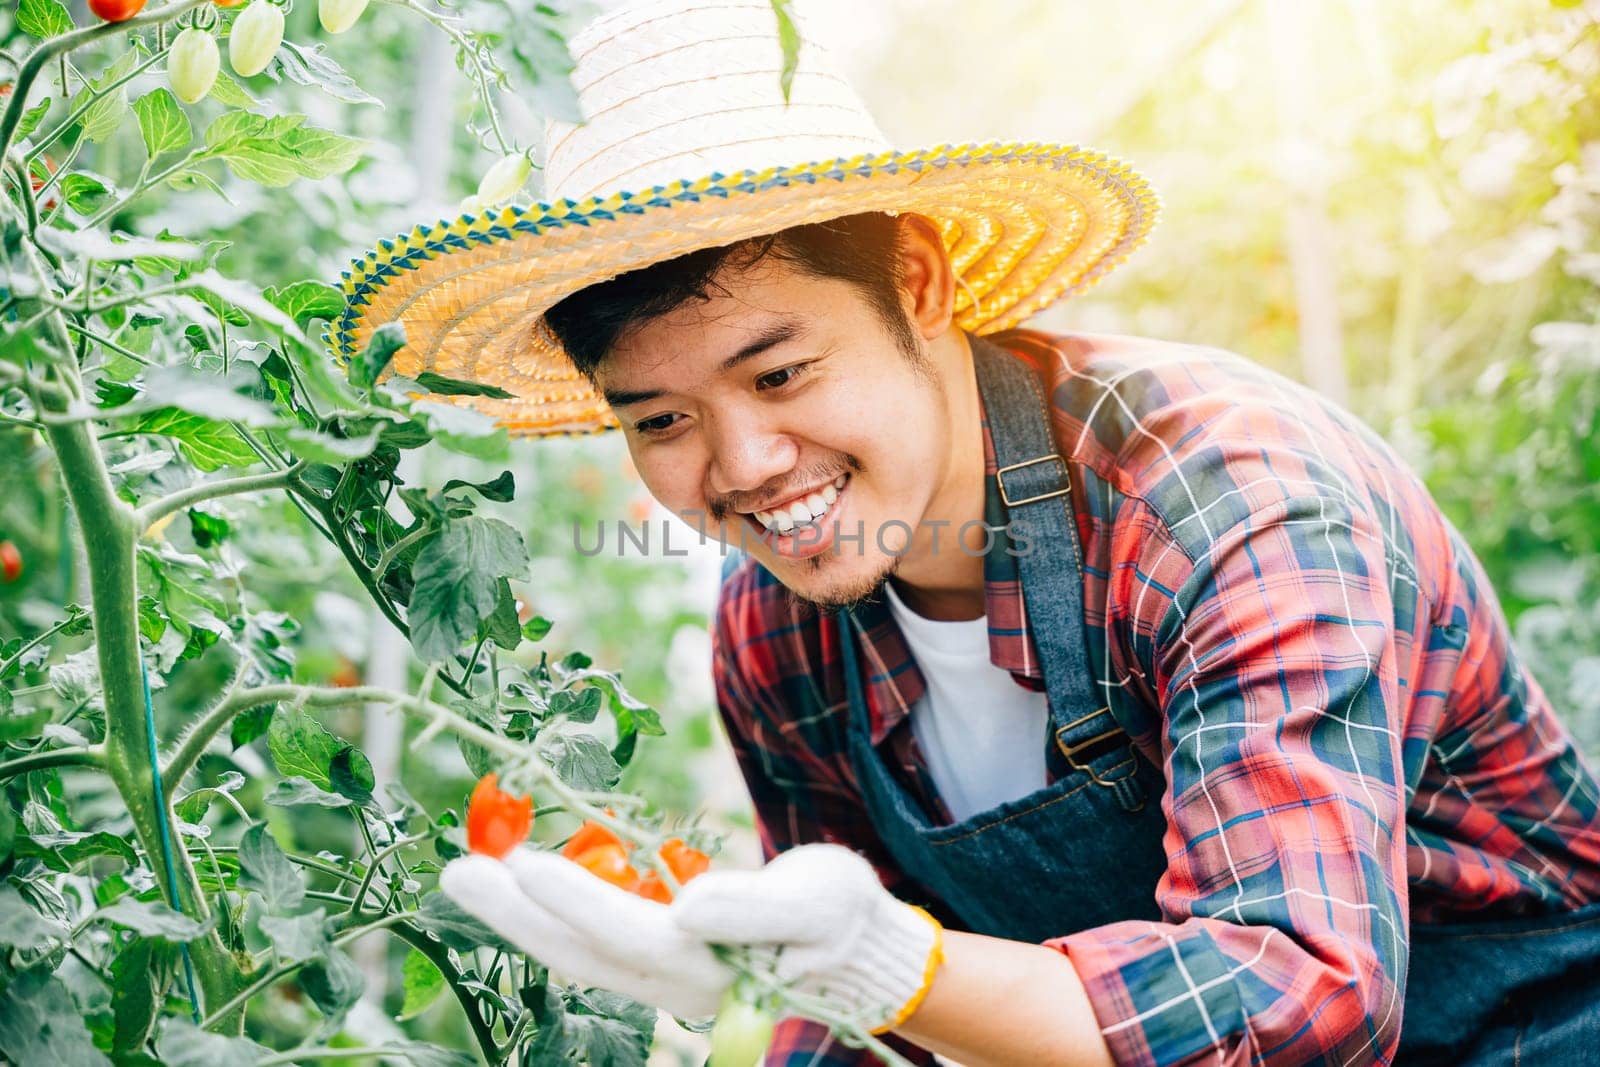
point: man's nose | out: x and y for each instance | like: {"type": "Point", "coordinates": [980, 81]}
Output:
{"type": "Point", "coordinates": [746, 455]}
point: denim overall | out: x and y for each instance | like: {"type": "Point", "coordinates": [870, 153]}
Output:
{"type": "Point", "coordinates": [1087, 850]}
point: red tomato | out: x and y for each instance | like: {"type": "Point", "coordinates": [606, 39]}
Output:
{"type": "Point", "coordinates": [346, 675]}
{"type": "Point", "coordinates": [116, 10]}
{"type": "Point", "coordinates": [684, 862]}
{"type": "Point", "coordinates": [651, 887]}
{"type": "Point", "coordinates": [497, 821]}
{"type": "Point", "coordinates": [10, 561]}
{"type": "Point", "coordinates": [590, 835]}
{"type": "Point", "coordinates": [609, 862]}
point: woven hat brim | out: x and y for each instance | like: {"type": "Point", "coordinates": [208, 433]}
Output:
{"type": "Point", "coordinates": [1025, 224]}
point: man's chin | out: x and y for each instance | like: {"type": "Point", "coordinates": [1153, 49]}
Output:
{"type": "Point", "coordinates": [827, 586]}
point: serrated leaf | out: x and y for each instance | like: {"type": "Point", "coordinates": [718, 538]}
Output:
{"type": "Point", "coordinates": [276, 150]}
{"type": "Point", "coordinates": [40, 1024]}
{"type": "Point", "coordinates": [207, 443]}
{"type": "Point", "coordinates": [297, 937]}
{"type": "Point", "coordinates": [300, 745]}
{"type": "Point", "coordinates": [457, 582]}
{"type": "Point", "coordinates": [264, 868]}
{"type": "Point", "coordinates": [334, 983]}
{"type": "Point", "coordinates": [43, 18]}
{"type": "Point", "coordinates": [609, 1042]}
{"type": "Point", "coordinates": [228, 93]}
{"type": "Point", "coordinates": [307, 300]}
{"type": "Point", "coordinates": [32, 117]}
{"type": "Point", "coordinates": [152, 918]}
{"type": "Point", "coordinates": [423, 984]}
{"type": "Point", "coordinates": [20, 926]}
{"type": "Point", "coordinates": [182, 1044]}
{"type": "Point", "coordinates": [162, 122]}
{"type": "Point", "coordinates": [583, 761]}
{"type": "Point", "coordinates": [83, 192]}
{"type": "Point", "coordinates": [311, 65]}
{"type": "Point", "coordinates": [251, 724]}
{"type": "Point", "coordinates": [104, 117]}
{"type": "Point", "coordinates": [501, 490]}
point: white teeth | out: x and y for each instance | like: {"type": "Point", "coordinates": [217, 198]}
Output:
{"type": "Point", "coordinates": [765, 517]}
{"type": "Point", "coordinates": [799, 512]}
{"type": "Point", "coordinates": [829, 494]}
{"type": "Point", "coordinates": [816, 505]}
{"type": "Point", "coordinates": [783, 521]}
{"type": "Point", "coordinates": [838, 483]}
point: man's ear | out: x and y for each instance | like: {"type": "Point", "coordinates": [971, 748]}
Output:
{"type": "Point", "coordinates": [928, 280]}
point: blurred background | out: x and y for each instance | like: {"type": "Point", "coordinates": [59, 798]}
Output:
{"type": "Point", "coordinates": [1398, 204]}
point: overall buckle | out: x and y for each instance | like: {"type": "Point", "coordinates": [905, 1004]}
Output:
{"type": "Point", "coordinates": [1066, 480]}
{"type": "Point", "coordinates": [1098, 743]}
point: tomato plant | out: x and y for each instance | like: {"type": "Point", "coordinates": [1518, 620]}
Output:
{"type": "Point", "coordinates": [742, 1032]}
{"type": "Point", "coordinates": [497, 821]}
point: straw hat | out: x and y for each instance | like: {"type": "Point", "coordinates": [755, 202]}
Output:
{"type": "Point", "coordinates": [688, 145]}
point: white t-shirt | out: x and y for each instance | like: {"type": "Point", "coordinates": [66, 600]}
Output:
{"type": "Point", "coordinates": [982, 733]}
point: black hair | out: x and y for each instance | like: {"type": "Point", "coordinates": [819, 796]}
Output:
{"type": "Point", "coordinates": [862, 249]}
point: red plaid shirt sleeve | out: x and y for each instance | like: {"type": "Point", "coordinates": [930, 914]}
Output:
{"type": "Point", "coordinates": [1273, 657]}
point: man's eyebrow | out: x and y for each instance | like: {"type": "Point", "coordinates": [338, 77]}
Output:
{"type": "Point", "coordinates": [776, 334]}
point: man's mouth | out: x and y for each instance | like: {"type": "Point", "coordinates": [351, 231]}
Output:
{"type": "Point", "coordinates": [802, 512]}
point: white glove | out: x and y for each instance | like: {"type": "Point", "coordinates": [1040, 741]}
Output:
{"type": "Point", "coordinates": [816, 916]}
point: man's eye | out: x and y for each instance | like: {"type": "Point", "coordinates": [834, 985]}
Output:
{"type": "Point", "coordinates": [658, 424]}
{"type": "Point", "coordinates": [779, 378]}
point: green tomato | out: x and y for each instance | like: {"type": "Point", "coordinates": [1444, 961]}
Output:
{"type": "Point", "coordinates": [337, 16]}
{"type": "Point", "coordinates": [192, 64]}
{"type": "Point", "coordinates": [255, 37]}
{"type": "Point", "coordinates": [741, 1035]}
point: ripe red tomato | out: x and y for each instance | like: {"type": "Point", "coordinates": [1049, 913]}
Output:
{"type": "Point", "coordinates": [684, 862]}
{"type": "Point", "coordinates": [590, 835]}
{"type": "Point", "coordinates": [497, 822]}
{"type": "Point", "coordinates": [651, 887]}
{"type": "Point", "coordinates": [609, 862]}
{"type": "Point", "coordinates": [10, 561]}
{"type": "Point", "coordinates": [116, 10]}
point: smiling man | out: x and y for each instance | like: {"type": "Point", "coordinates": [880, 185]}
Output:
{"type": "Point", "coordinates": [1102, 699]}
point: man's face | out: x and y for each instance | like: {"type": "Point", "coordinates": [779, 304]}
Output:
{"type": "Point", "coordinates": [785, 418]}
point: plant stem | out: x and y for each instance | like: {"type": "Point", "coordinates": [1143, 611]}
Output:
{"type": "Point", "coordinates": [72, 618]}
{"type": "Point", "coordinates": [94, 97]}
{"type": "Point", "coordinates": [386, 560]}
{"type": "Point", "coordinates": [89, 756]}
{"type": "Point", "coordinates": [154, 511]}
{"type": "Point", "coordinates": [440, 957]}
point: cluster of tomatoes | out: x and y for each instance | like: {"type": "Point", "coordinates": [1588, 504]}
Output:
{"type": "Point", "coordinates": [498, 821]}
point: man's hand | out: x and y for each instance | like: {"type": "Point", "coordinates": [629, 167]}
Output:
{"type": "Point", "coordinates": [816, 916]}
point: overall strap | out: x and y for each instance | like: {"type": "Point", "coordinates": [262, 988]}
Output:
{"type": "Point", "coordinates": [1035, 484]}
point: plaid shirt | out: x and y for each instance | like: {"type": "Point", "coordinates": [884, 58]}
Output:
{"type": "Point", "coordinates": [1348, 741]}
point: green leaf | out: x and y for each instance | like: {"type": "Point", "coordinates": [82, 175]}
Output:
{"type": "Point", "coordinates": [312, 66]}
{"type": "Point", "coordinates": [536, 628]}
{"type": "Point", "coordinates": [438, 383]}
{"type": "Point", "coordinates": [501, 490]}
{"type": "Point", "coordinates": [580, 706]}
{"type": "Point", "coordinates": [206, 529]}
{"type": "Point", "coordinates": [251, 724]}
{"type": "Point", "coordinates": [789, 41]}
{"type": "Point", "coordinates": [457, 576]}
{"type": "Point", "coordinates": [61, 850]}
{"type": "Point", "coordinates": [138, 977]}
{"type": "Point", "coordinates": [105, 115]}
{"type": "Point", "coordinates": [317, 447]}
{"type": "Point", "coordinates": [276, 150]}
{"type": "Point", "coordinates": [297, 792]}
{"type": "Point", "coordinates": [300, 745]}
{"type": "Point", "coordinates": [40, 1024]}
{"type": "Point", "coordinates": [43, 18]}
{"type": "Point", "coordinates": [423, 984]}
{"type": "Point", "coordinates": [307, 300]}
{"type": "Point", "coordinates": [22, 927]}
{"type": "Point", "coordinates": [182, 1044]}
{"type": "Point", "coordinates": [421, 1054]}
{"type": "Point", "coordinates": [83, 192]}
{"type": "Point", "coordinates": [334, 983]}
{"type": "Point", "coordinates": [501, 626]}
{"type": "Point", "coordinates": [193, 807]}
{"type": "Point", "coordinates": [152, 918]}
{"type": "Point", "coordinates": [228, 93]}
{"type": "Point", "coordinates": [298, 937]}
{"type": "Point", "coordinates": [351, 774]}
{"type": "Point", "coordinates": [162, 122]}
{"type": "Point", "coordinates": [609, 1042]}
{"type": "Point", "coordinates": [21, 726]}
{"type": "Point", "coordinates": [443, 917]}
{"type": "Point", "coordinates": [583, 761]}
{"type": "Point", "coordinates": [463, 430]}
{"type": "Point", "coordinates": [207, 443]}
{"type": "Point", "coordinates": [264, 868]}
{"type": "Point", "coordinates": [32, 117]}
{"type": "Point", "coordinates": [381, 347]}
